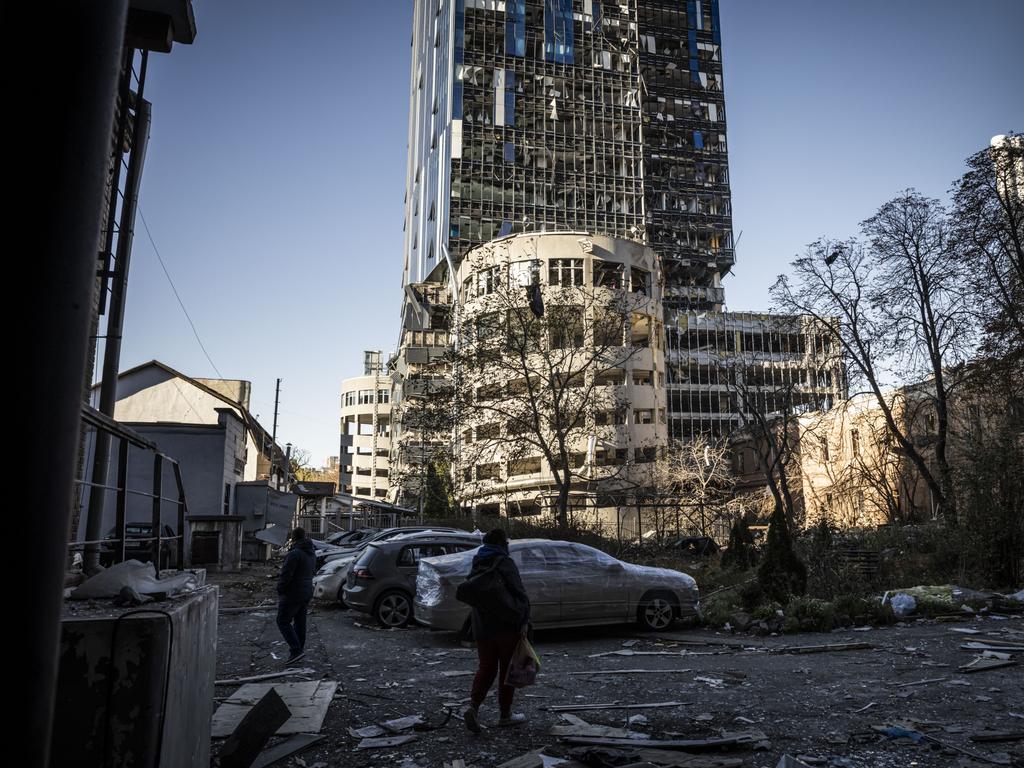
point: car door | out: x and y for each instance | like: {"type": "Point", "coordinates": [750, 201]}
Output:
{"type": "Point", "coordinates": [594, 587]}
{"type": "Point", "coordinates": [409, 561]}
{"type": "Point", "coordinates": [540, 581]}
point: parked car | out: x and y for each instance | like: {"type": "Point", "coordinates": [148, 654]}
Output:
{"type": "Point", "coordinates": [330, 577]}
{"type": "Point", "coordinates": [348, 538]}
{"type": "Point", "coordinates": [570, 585]}
{"type": "Point", "coordinates": [139, 545]}
{"type": "Point", "coordinates": [382, 582]}
{"type": "Point", "coordinates": [327, 552]}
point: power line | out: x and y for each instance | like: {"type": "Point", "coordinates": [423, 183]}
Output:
{"type": "Point", "coordinates": [176, 295]}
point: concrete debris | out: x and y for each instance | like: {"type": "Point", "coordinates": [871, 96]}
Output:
{"type": "Point", "coordinates": [254, 730]}
{"type": "Point", "coordinates": [286, 748]}
{"type": "Point", "coordinates": [366, 732]}
{"type": "Point", "coordinates": [386, 741]}
{"type": "Point", "coordinates": [141, 577]}
{"type": "Point", "coordinates": [981, 664]}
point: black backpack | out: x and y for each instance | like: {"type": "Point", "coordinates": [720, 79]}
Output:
{"type": "Point", "coordinates": [487, 591]}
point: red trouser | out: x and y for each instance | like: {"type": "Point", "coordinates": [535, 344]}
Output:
{"type": "Point", "coordinates": [495, 654]}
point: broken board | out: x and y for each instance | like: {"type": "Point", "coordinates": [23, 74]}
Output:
{"type": "Point", "coordinates": [307, 701]}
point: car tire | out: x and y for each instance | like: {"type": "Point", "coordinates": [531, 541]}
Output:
{"type": "Point", "coordinates": [341, 598]}
{"type": "Point", "coordinates": [657, 611]}
{"type": "Point", "coordinates": [393, 609]}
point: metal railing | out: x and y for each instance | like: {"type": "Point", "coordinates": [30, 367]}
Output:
{"type": "Point", "coordinates": [128, 440]}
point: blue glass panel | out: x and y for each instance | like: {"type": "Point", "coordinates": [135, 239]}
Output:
{"type": "Point", "coordinates": [515, 27]}
{"type": "Point", "coordinates": [558, 32]}
{"type": "Point", "coordinates": [506, 228]}
{"type": "Point", "coordinates": [510, 152]}
{"type": "Point", "coordinates": [691, 14]}
{"type": "Point", "coordinates": [698, 140]}
{"type": "Point", "coordinates": [716, 24]}
{"type": "Point", "coordinates": [460, 31]}
{"type": "Point", "coordinates": [457, 100]}
{"type": "Point", "coordinates": [510, 97]}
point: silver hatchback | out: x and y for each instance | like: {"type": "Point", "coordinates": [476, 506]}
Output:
{"type": "Point", "coordinates": [569, 584]}
{"type": "Point", "coordinates": [382, 582]}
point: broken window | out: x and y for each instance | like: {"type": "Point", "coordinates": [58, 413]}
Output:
{"type": "Point", "coordinates": [640, 330]}
{"type": "Point", "coordinates": [607, 274]}
{"type": "Point", "coordinates": [608, 329]}
{"type": "Point", "coordinates": [515, 27]}
{"type": "Point", "coordinates": [528, 466]}
{"type": "Point", "coordinates": [558, 32]}
{"type": "Point", "coordinates": [640, 281]}
{"type": "Point", "coordinates": [565, 272]}
{"type": "Point", "coordinates": [491, 471]}
{"type": "Point", "coordinates": [642, 378]}
{"type": "Point", "coordinates": [643, 416]}
{"type": "Point", "coordinates": [565, 328]}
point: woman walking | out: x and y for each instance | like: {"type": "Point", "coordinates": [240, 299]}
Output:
{"type": "Point", "coordinates": [498, 624]}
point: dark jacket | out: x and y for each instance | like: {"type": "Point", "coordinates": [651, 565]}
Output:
{"type": "Point", "coordinates": [296, 579]}
{"type": "Point", "coordinates": [484, 625]}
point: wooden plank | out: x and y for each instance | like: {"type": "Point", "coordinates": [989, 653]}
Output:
{"type": "Point", "coordinates": [307, 701]}
{"type": "Point", "coordinates": [831, 647]}
{"type": "Point", "coordinates": [672, 759]}
{"type": "Point", "coordinates": [726, 740]}
{"type": "Point", "coordinates": [613, 705]}
{"type": "Point", "coordinates": [268, 676]}
{"type": "Point", "coordinates": [632, 672]}
{"type": "Point", "coordinates": [528, 760]}
{"type": "Point", "coordinates": [287, 748]}
{"type": "Point", "coordinates": [588, 729]}
{"type": "Point", "coordinates": [252, 732]}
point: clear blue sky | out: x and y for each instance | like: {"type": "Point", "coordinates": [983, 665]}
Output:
{"type": "Point", "coordinates": [276, 169]}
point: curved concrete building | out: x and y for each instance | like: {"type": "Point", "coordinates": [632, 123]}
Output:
{"type": "Point", "coordinates": [579, 318]}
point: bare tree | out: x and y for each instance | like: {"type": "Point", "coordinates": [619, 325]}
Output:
{"type": "Point", "coordinates": [693, 481]}
{"type": "Point", "coordinates": [542, 382]}
{"type": "Point", "coordinates": [988, 208]}
{"type": "Point", "coordinates": [895, 301]}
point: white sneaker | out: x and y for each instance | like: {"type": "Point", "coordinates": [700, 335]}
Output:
{"type": "Point", "coordinates": [516, 718]}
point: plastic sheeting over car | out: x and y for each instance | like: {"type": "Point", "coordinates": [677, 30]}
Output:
{"type": "Point", "coordinates": [568, 584]}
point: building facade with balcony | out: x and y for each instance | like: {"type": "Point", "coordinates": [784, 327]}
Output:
{"type": "Point", "coordinates": [364, 466]}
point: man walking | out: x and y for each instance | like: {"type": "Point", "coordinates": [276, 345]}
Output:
{"type": "Point", "coordinates": [497, 628]}
{"type": "Point", "coordinates": [294, 591]}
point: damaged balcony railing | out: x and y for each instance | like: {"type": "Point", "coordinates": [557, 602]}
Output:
{"type": "Point", "coordinates": [129, 444]}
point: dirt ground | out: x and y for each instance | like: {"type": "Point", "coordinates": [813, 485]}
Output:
{"type": "Point", "coordinates": [819, 706]}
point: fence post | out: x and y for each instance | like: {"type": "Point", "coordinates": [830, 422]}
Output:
{"type": "Point", "coordinates": [158, 477]}
{"type": "Point", "coordinates": [122, 500]}
{"type": "Point", "coordinates": [182, 509]}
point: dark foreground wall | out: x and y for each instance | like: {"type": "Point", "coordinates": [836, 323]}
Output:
{"type": "Point", "coordinates": [117, 669]}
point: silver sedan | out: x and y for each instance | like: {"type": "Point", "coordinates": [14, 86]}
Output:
{"type": "Point", "coordinates": [570, 585]}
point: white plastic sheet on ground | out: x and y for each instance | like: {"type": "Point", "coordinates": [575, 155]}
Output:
{"type": "Point", "coordinates": [139, 576]}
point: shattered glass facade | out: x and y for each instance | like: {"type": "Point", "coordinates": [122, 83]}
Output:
{"type": "Point", "coordinates": [570, 115]}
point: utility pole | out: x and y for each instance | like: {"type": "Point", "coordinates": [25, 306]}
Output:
{"type": "Point", "coordinates": [273, 436]}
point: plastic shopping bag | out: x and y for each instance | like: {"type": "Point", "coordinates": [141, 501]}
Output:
{"type": "Point", "coordinates": [525, 665]}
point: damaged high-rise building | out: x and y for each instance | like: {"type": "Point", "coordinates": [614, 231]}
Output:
{"type": "Point", "coordinates": [570, 115]}
{"type": "Point", "coordinates": [587, 116]}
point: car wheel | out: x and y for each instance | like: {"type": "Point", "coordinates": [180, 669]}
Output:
{"type": "Point", "coordinates": [341, 598]}
{"type": "Point", "coordinates": [393, 609]}
{"type": "Point", "coordinates": [656, 612]}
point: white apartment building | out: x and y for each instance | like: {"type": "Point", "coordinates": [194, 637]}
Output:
{"type": "Point", "coordinates": [366, 433]}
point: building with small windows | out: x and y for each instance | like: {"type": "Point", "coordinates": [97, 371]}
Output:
{"type": "Point", "coordinates": [366, 432]}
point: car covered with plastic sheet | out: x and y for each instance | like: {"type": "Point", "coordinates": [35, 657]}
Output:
{"type": "Point", "coordinates": [569, 584]}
